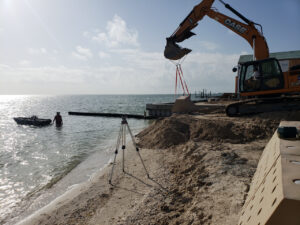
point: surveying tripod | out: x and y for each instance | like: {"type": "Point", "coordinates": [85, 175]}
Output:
{"type": "Point", "coordinates": [122, 141]}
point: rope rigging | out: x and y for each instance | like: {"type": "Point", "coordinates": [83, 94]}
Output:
{"type": "Point", "coordinates": [179, 75]}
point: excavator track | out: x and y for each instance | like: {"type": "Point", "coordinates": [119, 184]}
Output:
{"type": "Point", "coordinates": [260, 105]}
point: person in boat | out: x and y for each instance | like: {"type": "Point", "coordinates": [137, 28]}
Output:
{"type": "Point", "coordinates": [58, 120]}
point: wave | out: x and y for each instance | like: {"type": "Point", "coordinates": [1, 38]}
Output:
{"type": "Point", "coordinates": [63, 171]}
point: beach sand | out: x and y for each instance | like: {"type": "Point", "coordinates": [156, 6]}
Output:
{"type": "Point", "coordinates": [200, 169]}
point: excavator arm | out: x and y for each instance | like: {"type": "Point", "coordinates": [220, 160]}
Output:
{"type": "Point", "coordinates": [246, 30]}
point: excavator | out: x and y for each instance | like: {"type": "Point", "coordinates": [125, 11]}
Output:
{"type": "Point", "coordinates": [272, 88]}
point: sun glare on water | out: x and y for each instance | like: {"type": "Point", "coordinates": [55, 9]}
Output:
{"type": "Point", "coordinates": [8, 98]}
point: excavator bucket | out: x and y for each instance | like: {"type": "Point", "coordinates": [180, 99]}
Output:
{"type": "Point", "coordinates": [183, 32]}
{"type": "Point", "coordinates": [174, 51]}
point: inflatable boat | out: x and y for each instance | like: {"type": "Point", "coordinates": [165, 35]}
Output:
{"type": "Point", "coordinates": [33, 121]}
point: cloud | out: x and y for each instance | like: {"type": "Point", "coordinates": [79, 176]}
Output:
{"type": "Point", "coordinates": [150, 72]}
{"type": "Point", "coordinates": [125, 51]}
{"type": "Point", "coordinates": [103, 55]}
{"type": "Point", "coordinates": [132, 70]}
{"type": "Point", "coordinates": [139, 72]}
{"type": "Point", "coordinates": [209, 45]}
{"type": "Point", "coordinates": [37, 51]}
{"type": "Point", "coordinates": [82, 53]}
{"type": "Point", "coordinates": [212, 71]}
{"type": "Point", "coordinates": [117, 34]}
{"type": "Point", "coordinates": [24, 63]}
{"type": "Point", "coordinates": [86, 34]}
{"type": "Point", "coordinates": [246, 53]}
{"type": "Point", "coordinates": [40, 80]}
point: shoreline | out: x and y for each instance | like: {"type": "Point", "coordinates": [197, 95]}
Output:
{"type": "Point", "coordinates": [200, 169]}
{"type": "Point", "coordinates": [97, 190]}
{"type": "Point", "coordinates": [76, 190]}
{"type": "Point", "coordinates": [82, 173]}
{"type": "Point", "coordinates": [51, 191]}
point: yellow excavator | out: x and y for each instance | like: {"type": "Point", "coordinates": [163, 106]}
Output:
{"type": "Point", "coordinates": [261, 84]}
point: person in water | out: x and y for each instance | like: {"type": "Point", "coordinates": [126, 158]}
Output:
{"type": "Point", "coordinates": [58, 120]}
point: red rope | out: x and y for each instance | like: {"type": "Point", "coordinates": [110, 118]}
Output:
{"type": "Point", "coordinates": [179, 74]}
{"type": "Point", "coordinates": [181, 80]}
{"type": "Point", "coordinates": [187, 90]}
{"type": "Point", "coordinates": [176, 82]}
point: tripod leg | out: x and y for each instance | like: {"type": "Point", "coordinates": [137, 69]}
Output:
{"type": "Point", "coordinates": [112, 169]}
{"type": "Point", "coordinates": [116, 152]}
{"type": "Point", "coordinates": [123, 146]}
{"type": "Point", "coordinates": [138, 151]}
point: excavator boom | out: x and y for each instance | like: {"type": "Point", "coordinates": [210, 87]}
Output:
{"type": "Point", "coordinates": [246, 30]}
{"type": "Point", "coordinates": [183, 32]}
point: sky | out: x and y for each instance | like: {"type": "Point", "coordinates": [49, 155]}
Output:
{"type": "Point", "coordinates": [116, 46]}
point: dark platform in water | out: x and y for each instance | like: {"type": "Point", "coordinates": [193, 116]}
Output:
{"type": "Point", "coordinates": [33, 121]}
{"type": "Point", "coordinates": [116, 115]}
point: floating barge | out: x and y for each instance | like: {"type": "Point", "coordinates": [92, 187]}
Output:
{"type": "Point", "coordinates": [115, 115]}
{"type": "Point", "coordinates": [159, 110]}
{"type": "Point", "coordinates": [182, 105]}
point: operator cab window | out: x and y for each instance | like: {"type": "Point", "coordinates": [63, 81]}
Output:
{"type": "Point", "coordinates": [270, 69]}
{"type": "Point", "coordinates": [249, 72]}
{"type": "Point", "coordinates": [269, 76]}
{"type": "Point", "coordinates": [249, 81]}
{"type": "Point", "coordinates": [272, 76]}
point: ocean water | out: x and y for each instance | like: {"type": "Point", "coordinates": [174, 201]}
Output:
{"type": "Point", "coordinates": [39, 163]}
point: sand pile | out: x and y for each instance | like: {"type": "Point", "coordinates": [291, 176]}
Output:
{"type": "Point", "coordinates": [206, 184]}
{"type": "Point", "coordinates": [210, 163]}
{"type": "Point", "coordinates": [164, 133]}
{"type": "Point", "coordinates": [179, 129]}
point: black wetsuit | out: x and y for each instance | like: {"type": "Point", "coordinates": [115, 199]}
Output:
{"type": "Point", "coordinates": [58, 120]}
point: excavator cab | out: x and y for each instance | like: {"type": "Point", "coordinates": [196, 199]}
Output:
{"type": "Point", "coordinates": [261, 75]}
